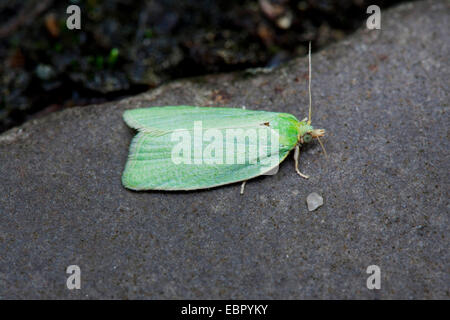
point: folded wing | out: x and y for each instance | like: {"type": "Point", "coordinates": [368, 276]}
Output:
{"type": "Point", "coordinates": [154, 157]}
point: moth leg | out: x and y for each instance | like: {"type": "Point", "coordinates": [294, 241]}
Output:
{"type": "Point", "coordinates": [243, 186]}
{"type": "Point", "coordinates": [296, 157]}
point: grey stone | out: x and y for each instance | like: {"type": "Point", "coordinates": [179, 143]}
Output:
{"type": "Point", "coordinates": [382, 96]}
{"type": "Point", "coordinates": [314, 201]}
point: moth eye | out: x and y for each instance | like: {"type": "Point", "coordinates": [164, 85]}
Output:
{"type": "Point", "coordinates": [307, 138]}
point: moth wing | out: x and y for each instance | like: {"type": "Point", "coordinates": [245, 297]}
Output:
{"type": "Point", "coordinates": [154, 164]}
{"type": "Point", "coordinates": [164, 120]}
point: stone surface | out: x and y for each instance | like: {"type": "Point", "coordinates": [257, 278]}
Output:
{"type": "Point", "coordinates": [382, 95]}
{"type": "Point", "coordinates": [314, 201]}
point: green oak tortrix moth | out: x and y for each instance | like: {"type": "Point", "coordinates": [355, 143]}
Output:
{"type": "Point", "coordinates": [168, 152]}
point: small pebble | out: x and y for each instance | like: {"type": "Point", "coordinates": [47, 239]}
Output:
{"type": "Point", "coordinates": [45, 72]}
{"type": "Point", "coordinates": [314, 200]}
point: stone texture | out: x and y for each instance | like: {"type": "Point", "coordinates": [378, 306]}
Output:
{"type": "Point", "coordinates": [382, 95]}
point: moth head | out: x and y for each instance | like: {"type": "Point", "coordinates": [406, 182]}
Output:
{"type": "Point", "coordinates": [312, 134]}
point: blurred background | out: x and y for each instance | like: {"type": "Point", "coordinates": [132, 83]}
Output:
{"type": "Point", "coordinates": [126, 47]}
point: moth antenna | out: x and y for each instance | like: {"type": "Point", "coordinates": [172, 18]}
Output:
{"type": "Point", "coordinates": [309, 84]}
{"type": "Point", "coordinates": [323, 148]}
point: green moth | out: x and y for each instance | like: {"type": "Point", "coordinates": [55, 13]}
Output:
{"type": "Point", "coordinates": [189, 147]}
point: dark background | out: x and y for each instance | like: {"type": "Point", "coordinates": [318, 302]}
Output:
{"type": "Point", "coordinates": [125, 47]}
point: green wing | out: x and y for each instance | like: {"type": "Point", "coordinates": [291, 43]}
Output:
{"type": "Point", "coordinates": [152, 165]}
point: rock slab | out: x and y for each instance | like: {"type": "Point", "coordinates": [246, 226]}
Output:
{"type": "Point", "coordinates": [382, 96]}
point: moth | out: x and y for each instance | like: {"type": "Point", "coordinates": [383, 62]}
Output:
{"type": "Point", "coordinates": [190, 148]}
